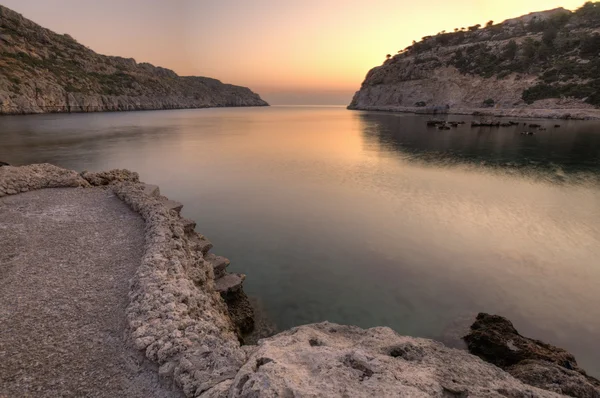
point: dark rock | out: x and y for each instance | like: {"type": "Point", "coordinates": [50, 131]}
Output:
{"type": "Point", "coordinates": [263, 325]}
{"type": "Point", "coordinates": [240, 311]}
{"type": "Point", "coordinates": [485, 123]}
{"type": "Point", "coordinates": [495, 340]}
{"type": "Point", "coordinates": [435, 123]}
{"type": "Point", "coordinates": [553, 377]}
{"type": "Point", "coordinates": [535, 125]}
{"type": "Point", "coordinates": [4, 164]}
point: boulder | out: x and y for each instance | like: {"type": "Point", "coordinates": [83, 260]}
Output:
{"type": "Point", "coordinates": [495, 340]}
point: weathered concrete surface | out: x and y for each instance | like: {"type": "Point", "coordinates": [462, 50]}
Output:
{"type": "Point", "coordinates": [329, 360]}
{"type": "Point", "coordinates": [66, 257]}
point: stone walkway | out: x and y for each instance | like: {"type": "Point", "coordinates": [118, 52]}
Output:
{"type": "Point", "coordinates": [66, 257]}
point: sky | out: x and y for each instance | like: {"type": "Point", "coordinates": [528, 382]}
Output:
{"type": "Point", "coordinates": [288, 51]}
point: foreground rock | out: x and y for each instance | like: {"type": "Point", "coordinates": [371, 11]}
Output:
{"type": "Point", "coordinates": [41, 71]}
{"type": "Point", "coordinates": [329, 360]}
{"type": "Point", "coordinates": [494, 339]}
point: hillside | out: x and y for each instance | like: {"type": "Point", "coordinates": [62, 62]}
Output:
{"type": "Point", "coordinates": [41, 71]}
{"type": "Point", "coordinates": [541, 64]}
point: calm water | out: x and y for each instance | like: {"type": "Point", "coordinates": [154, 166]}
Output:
{"type": "Point", "coordinates": [368, 218]}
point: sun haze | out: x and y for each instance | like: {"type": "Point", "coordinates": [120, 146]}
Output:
{"type": "Point", "coordinates": [290, 52]}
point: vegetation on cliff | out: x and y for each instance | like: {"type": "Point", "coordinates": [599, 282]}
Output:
{"type": "Point", "coordinates": [41, 71]}
{"type": "Point", "coordinates": [552, 54]}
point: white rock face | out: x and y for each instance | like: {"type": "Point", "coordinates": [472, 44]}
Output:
{"type": "Point", "coordinates": [329, 360]}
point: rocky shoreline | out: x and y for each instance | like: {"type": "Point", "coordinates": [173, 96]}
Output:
{"type": "Point", "coordinates": [188, 315]}
{"type": "Point", "coordinates": [44, 72]}
{"type": "Point", "coordinates": [524, 113]}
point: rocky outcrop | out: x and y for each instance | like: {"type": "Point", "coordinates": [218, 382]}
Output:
{"type": "Point", "coordinates": [495, 339]}
{"type": "Point", "coordinates": [329, 360]}
{"type": "Point", "coordinates": [180, 316]}
{"type": "Point", "coordinates": [41, 71]}
{"type": "Point", "coordinates": [540, 65]}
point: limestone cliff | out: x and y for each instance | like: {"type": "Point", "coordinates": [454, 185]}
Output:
{"type": "Point", "coordinates": [541, 61]}
{"type": "Point", "coordinates": [41, 71]}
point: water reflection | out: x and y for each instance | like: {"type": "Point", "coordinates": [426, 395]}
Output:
{"type": "Point", "coordinates": [368, 218]}
{"type": "Point", "coordinates": [571, 151]}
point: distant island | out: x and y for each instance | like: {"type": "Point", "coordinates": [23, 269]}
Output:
{"type": "Point", "coordinates": [42, 71]}
{"type": "Point", "coordinates": [544, 64]}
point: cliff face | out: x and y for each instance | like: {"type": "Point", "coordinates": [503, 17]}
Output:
{"type": "Point", "coordinates": [41, 71]}
{"type": "Point", "coordinates": [544, 60]}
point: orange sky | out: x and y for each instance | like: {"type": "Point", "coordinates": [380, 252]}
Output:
{"type": "Point", "coordinates": [289, 51]}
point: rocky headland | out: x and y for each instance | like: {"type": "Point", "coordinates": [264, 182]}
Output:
{"type": "Point", "coordinates": [42, 71]}
{"type": "Point", "coordinates": [544, 64]}
{"type": "Point", "coordinates": [189, 316]}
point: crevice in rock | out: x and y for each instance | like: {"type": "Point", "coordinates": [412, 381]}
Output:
{"type": "Point", "coordinates": [352, 362]}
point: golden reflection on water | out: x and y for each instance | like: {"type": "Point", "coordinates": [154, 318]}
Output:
{"type": "Point", "coordinates": [366, 218]}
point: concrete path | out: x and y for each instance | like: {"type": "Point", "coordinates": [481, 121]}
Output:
{"type": "Point", "coordinates": [66, 256]}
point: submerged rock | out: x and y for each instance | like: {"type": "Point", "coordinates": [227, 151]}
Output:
{"type": "Point", "coordinates": [495, 339]}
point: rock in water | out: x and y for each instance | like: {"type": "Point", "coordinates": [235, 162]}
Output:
{"type": "Point", "coordinates": [495, 340]}
{"type": "Point", "coordinates": [42, 71]}
{"type": "Point", "coordinates": [4, 164]}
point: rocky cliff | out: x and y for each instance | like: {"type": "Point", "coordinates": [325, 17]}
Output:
{"type": "Point", "coordinates": [41, 71]}
{"type": "Point", "coordinates": [541, 64]}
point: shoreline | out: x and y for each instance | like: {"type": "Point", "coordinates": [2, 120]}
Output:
{"type": "Point", "coordinates": [178, 316]}
{"type": "Point", "coordinates": [142, 109]}
{"type": "Point", "coordinates": [523, 113]}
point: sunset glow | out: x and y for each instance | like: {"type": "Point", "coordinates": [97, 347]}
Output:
{"type": "Point", "coordinates": [307, 51]}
